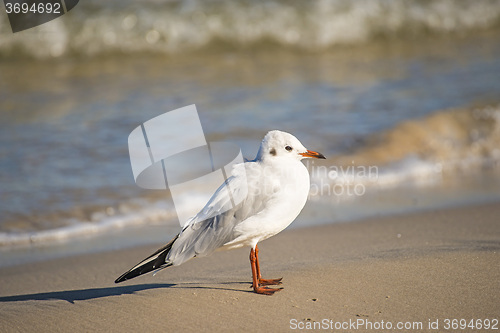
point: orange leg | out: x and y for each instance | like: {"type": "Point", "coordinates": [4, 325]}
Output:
{"type": "Point", "coordinates": [264, 282]}
{"type": "Point", "coordinates": [257, 286]}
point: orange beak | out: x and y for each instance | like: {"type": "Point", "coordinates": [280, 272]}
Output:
{"type": "Point", "coordinates": [313, 154]}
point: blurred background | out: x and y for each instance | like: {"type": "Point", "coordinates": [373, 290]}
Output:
{"type": "Point", "coordinates": [408, 90]}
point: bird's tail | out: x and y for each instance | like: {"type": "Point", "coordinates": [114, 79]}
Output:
{"type": "Point", "coordinates": [154, 261]}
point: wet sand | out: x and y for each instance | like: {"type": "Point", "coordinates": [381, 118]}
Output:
{"type": "Point", "coordinates": [415, 268]}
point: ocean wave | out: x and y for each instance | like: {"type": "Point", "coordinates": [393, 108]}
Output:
{"type": "Point", "coordinates": [61, 227]}
{"type": "Point", "coordinates": [95, 28]}
{"type": "Point", "coordinates": [107, 220]}
{"type": "Point", "coordinates": [421, 152]}
{"type": "Point", "coordinates": [460, 139]}
{"type": "Point", "coordinates": [417, 152]}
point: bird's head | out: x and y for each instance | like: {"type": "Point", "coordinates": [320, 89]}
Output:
{"type": "Point", "coordinates": [282, 145]}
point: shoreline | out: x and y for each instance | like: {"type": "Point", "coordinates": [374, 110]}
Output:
{"type": "Point", "coordinates": [417, 267]}
{"type": "Point", "coordinates": [387, 203]}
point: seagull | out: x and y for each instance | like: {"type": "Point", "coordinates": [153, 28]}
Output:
{"type": "Point", "coordinates": [276, 184]}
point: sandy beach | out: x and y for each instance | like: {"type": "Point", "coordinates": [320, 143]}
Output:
{"type": "Point", "coordinates": [424, 268]}
{"type": "Point", "coordinates": [401, 97]}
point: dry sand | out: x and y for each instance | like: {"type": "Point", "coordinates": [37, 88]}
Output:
{"type": "Point", "coordinates": [413, 268]}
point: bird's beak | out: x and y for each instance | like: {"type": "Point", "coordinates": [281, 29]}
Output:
{"type": "Point", "coordinates": [314, 154]}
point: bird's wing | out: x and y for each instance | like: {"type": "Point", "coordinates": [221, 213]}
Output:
{"type": "Point", "coordinates": [213, 226]}
{"type": "Point", "coordinates": [151, 263]}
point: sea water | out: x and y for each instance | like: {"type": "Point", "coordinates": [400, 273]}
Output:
{"type": "Point", "coordinates": [410, 91]}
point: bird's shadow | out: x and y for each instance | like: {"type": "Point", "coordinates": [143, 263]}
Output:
{"type": "Point", "coordinates": [87, 294]}
{"type": "Point", "coordinates": [83, 294]}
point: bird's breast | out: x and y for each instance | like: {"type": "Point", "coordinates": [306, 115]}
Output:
{"type": "Point", "coordinates": [290, 192]}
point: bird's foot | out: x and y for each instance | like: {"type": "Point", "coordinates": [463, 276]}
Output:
{"type": "Point", "coordinates": [270, 282]}
{"type": "Point", "coordinates": [265, 290]}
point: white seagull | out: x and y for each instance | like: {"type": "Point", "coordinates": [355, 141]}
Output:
{"type": "Point", "coordinates": [277, 189]}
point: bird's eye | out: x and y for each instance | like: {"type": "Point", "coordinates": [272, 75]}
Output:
{"type": "Point", "coordinates": [288, 148]}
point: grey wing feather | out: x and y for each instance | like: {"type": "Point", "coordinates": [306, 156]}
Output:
{"type": "Point", "coordinates": [214, 225]}
{"type": "Point", "coordinates": [202, 239]}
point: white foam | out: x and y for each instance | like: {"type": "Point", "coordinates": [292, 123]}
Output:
{"type": "Point", "coordinates": [151, 214]}
{"type": "Point", "coordinates": [306, 25]}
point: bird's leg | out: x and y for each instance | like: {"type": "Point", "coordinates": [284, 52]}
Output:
{"type": "Point", "coordinates": [264, 282]}
{"type": "Point", "coordinates": [257, 287]}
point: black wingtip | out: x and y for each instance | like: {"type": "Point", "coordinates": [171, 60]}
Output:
{"type": "Point", "coordinates": [149, 267]}
{"type": "Point", "coordinates": [120, 279]}
{"type": "Point", "coordinates": [123, 277]}
{"type": "Point", "coordinates": [157, 262]}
